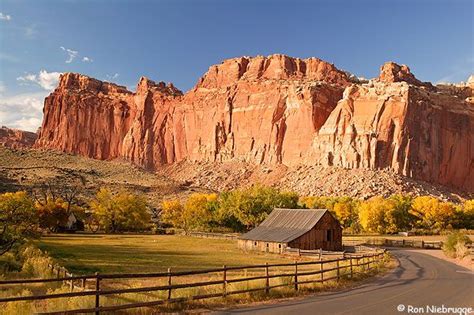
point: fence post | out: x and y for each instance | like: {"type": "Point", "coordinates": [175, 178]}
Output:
{"type": "Point", "coordinates": [296, 275]}
{"type": "Point", "coordinates": [422, 244]}
{"type": "Point", "coordinates": [224, 282]}
{"type": "Point", "coordinates": [320, 254]}
{"type": "Point", "coordinates": [352, 272]}
{"type": "Point", "coordinates": [368, 262]}
{"type": "Point", "coordinates": [71, 284]}
{"type": "Point", "coordinates": [299, 252]}
{"type": "Point", "coordinates": [337, 270]}
{"type": "Point", "coordinates": [267, 279]}
{"type": "Point", "coordinates": [59, 272]}
{"type": "Point", "coordinates": [403, 242]}
{"type": "Point", "coordinates": [169, 283]}
{"type": "Point", "coordinates": [97, 294]}
{"type": "Point", "coordinates": [83, 283]}
{"type": "Point", "coordinates": [322, 272]}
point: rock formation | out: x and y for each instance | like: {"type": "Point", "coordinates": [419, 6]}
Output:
{"type": "Point", "coordinates": [16, 139]}
{"type": "Point", "coordinates": [272, 110]}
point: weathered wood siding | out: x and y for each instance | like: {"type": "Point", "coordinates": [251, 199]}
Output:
{"type": "Point", "coordinates": [317, 238]}
{"type": "Point", "coordinates": [270, 247]}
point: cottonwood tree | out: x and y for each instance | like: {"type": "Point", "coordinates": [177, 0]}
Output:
{"type": "Point", "coordinates": [432, 213]}
{"type": "Point", "coordinates": [56, 200]}
{"type": "Point", "coordinates": [18, 220]}
{"type": "Point", "coordinates": [375, 215]}
{"type": "Point", "coordinates": [197, 212]}
{"type": "Point", "coordinates": [250, 206]}
{"type": "Point", "coordinates": [120, 212]}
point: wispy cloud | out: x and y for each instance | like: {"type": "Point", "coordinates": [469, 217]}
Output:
{"type": "Point", "coordinates": [47, 80]}
{"type": "Point", "coordinates": [3, 88]}
{"type": "Point", "coordinates": [23, 111]}
{"type": "Point", "coordinates": [112, 76]}
{"type": "Point", "coordinates": [5, 17]}
{"type": "Point", "coordinates": [87, 59]}
{"type": "Point", "coordinates": [460, 72]}
{"type": "Point", "coordinates": [72, 54]}
{"type": "Point", "coordinates": [30, 31]}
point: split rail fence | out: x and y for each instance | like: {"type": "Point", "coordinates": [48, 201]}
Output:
{"type": "Point", "coordinates": [298, 273]}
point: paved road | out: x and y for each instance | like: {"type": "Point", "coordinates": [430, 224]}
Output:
{"type": "Point", "coordinates": [419, 280]}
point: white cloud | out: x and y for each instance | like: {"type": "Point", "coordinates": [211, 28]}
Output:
{"type": "Point", "coordinates": [23, 111]}
{"type": "Point", "coordinates": [5, 17]}
{"type": "Point", "coordinates": [112, 76]}
{"type": "Point", "coordinates": [3, 88]}
{"type": "Point", "coordinates": [30, 31]}
{"type": "Point", "coordinates": [72, 54]}
{"type": "Point", "coordinates": [87, 59]}
{"type": "Point", "coordinates": [47, 80]}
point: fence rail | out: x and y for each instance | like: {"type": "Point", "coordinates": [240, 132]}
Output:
{"type": "Point", "coordinates": [215, 235]}
{"type": "Point", "coordinates": [396, 243]}
{"type": "Point", "coordinates": [367, 262]}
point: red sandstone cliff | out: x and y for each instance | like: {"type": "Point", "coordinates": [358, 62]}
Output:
{"type": "Point", "coordinates": [16, 139]}
{"type": "Point", "coordinates": [272, 109]}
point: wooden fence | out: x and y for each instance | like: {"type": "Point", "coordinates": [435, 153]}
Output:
{"type": "Point", "coordinates": [297, 274]}
{"type": "Point", "coordinates": [396, 243]}
{"type": "Point", "coordinates": [214, 235]}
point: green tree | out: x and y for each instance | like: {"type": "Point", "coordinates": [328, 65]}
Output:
{"type": "Point", "coordinates": [18, 220]}
{"type": "Point", "coordinates": [400, 216]}
{"type": "Point", "coordinates": [250, 206]}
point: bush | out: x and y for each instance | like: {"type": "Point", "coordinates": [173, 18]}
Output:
{"type": "Point", "coordinates": [455, 245]}
{"type": "Point", "coordinates": [35, 262]}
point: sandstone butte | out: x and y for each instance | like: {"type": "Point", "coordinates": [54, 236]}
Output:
{"type": "Point", "coordinates": [274, 109]}
{"type": "Point", "coordinates": [16, 139]}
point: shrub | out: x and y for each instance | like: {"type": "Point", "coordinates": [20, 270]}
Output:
{"type": "Point", "coordinates": [455, 245]}
{"type": "Point", "coordinates": [35, 262]}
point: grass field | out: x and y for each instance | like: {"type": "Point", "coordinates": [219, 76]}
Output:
{"type": "Point", "coordinates": [146, 253]}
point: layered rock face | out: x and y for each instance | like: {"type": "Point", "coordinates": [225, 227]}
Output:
{"type": "Point", "coordinates": [16, 139]}
{"type": "Point", "coordinates": [274, 109]}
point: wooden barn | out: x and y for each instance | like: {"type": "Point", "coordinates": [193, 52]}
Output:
{"type": "Point", "coordinates": [295, 228]}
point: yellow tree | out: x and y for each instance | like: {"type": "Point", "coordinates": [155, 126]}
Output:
{"type": "Point", "coordinates": [173, 213]}
{"type": "Point", "coordinates": [53, 213]}
{"type": "Point", "coordinates": [121, 212]}
{"type": "Point", "coordinates": [197, 210]}
{"type": "Point", "coordinates": [432, 213]}
{"type": "Point", "coordinates": [374, 215]}
{"type": "Point", "coordinates": [18, 220]}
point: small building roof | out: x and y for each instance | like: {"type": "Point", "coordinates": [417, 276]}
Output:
{"type": "Point", "coordinates": [285, 225]}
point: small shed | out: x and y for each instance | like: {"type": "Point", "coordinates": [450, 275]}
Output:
{"type": "Point", "coordinates": [296, 228]}
{"type": "Point", "coordinates": [73, 224]}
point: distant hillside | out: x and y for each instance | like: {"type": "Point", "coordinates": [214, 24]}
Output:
{"type": "Point", "coordinates": [23, 169]}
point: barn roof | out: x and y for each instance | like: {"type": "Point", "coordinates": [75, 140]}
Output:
{"type": "Point", "coordinates": [285, 225]}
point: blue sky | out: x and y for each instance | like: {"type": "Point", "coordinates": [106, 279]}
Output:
{"type": "Point", "coordinates": [177, 41]}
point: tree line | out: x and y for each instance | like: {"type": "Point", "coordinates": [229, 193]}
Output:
{"type": "Point", "coordinates": [24, 215]}
{"type": "Point", "coordinates": [242, 209]}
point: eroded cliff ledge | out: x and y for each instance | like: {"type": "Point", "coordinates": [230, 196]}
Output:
{"type": "Point", "coordinates": [274, 109]}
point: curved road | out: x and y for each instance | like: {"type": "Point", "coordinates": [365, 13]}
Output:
{"type": "Point", "coordinates": [418, 281]}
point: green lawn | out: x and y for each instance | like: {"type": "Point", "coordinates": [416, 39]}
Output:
{"type": "Point", "coordinates": [146, 253]}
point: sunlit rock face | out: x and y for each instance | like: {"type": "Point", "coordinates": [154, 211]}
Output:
{"type": "Point", "coordinates": [16, 139]}
{"type": "Point", "coordinates": [274, 109]}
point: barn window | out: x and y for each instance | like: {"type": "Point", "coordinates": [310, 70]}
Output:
{"type": "Point", "coordinates": [255, 243]}
{"type": "Point", "coordinates": [267, 245]}
{"type": "Point", "coordinates": [329, 235]}
{"type": "Point", "coordinates": [279, 245]}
